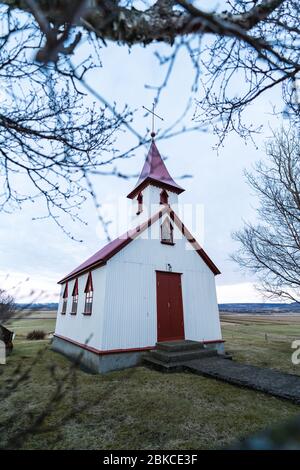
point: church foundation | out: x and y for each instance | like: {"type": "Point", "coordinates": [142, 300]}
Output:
{"type": "Point", "coordinates": [95, 362]}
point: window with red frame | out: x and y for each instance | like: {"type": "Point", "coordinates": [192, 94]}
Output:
{"type": "Point", "coordinates": [65, 300]}
{"type": "Point", "coordinates": [164, 197]}
{"type": "Point", "coordinates": [75, 298]}
{"type": "Point", "coordinates": [166, 232]}
{"type": "Point", "coordinates": [140, 203]}
{"type": "Point", "coordinates": [88, 296]}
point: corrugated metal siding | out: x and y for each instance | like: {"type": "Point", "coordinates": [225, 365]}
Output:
{"type": "Point", "coordinates": [128, 307]}
{"type": "Point", "coordinates": [201, 310]}
{"type": "Point", "coordinates": [130, 300]}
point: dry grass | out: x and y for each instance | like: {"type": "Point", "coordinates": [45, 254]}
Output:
{"type": "Point", "coordinates": [264, 341]}
{"type": "Point", "coordinates": [141, 408]}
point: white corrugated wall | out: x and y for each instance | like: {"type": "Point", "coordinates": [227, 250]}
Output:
{"type": "Point", "coordinates": [130, 300]}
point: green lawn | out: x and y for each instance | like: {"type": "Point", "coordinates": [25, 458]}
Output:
{"type": "Point", "coordinates": [132, 409]}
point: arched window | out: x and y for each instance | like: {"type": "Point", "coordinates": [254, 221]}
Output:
{"type": "Point", "coordinates": [166, 232]}
{"type": "Point", "coordinates": [164, 197]}
{"type": "Point", "coordinates": [88, 295]}
{"type": "Point", "coordinates": [65, 300]}
{"type": "Point", "coordinates": [74, 298]}
{"type": "Point", "coordinates": [140, 203]}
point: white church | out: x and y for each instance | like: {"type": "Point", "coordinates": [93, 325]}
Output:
{"type": "Point", "coordinates": [153, 284]}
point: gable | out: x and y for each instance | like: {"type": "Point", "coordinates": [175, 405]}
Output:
{"type": "Point", "coordinates": [148, 249]}
{"type": "Point", "coordinates": [108, 251]}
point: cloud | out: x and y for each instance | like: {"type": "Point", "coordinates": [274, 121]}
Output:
{"type": "Point", "coordinates": [30, 289]}
{"type": "Point", "coordinates": [239, 293]}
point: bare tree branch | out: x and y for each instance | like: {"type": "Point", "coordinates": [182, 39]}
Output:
{"type": "Point", "coordinates": [162, 21]}
{"type": "Point", "coordinates": [271, 249]}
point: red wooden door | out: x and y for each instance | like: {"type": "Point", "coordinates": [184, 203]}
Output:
{"type": "Point", "coordinates": [170, 324]}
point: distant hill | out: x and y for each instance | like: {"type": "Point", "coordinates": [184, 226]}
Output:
{"type": "Point", "coordinates": [48, 306]}
{"type": "Point", "coordinates": [267, 309]}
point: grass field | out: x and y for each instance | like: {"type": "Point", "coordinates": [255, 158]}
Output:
{"type": "Point", "coordinates": [138, 408]}
{"type": "Point", "coordinates": [262, 340]}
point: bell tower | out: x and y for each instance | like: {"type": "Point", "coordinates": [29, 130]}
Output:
{"type": "Point", "coordinates": [155, 186]}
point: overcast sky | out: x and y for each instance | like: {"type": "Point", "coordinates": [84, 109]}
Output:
{"type": "Point", "coordinates": [36, 254]}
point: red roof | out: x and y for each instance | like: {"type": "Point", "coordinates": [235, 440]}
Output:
{"type": "Point", "coordinates": [112, 248]}
{"type": "Point", "coordinates": [155, 171]}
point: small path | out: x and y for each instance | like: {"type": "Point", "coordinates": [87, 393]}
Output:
{"type": "Point", "coordinates": [273, 382]}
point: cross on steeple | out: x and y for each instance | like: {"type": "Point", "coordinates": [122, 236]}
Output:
{"type": "Point", "coordinates": [153, 116]}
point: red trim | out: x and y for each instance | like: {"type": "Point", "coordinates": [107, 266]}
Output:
{"type": "Point", "coordinates": [132, 234]}
{"type": "Point", "coordinates": [65, 294]}
{"type": "Point", "coordinates": [103, 352]}
{"type": "Point", "coordinates": [75, 288]}
{"type": "Point", "coordinates": [89, 284]}
{"type": "Point", "coordinates": [116, 351]}
{"type": "Point", "coordinates": [91, 267]}
{"type": "Point", "coordinates": [159, 184]}
{"type": "Point", "coordinates": [194, 243]}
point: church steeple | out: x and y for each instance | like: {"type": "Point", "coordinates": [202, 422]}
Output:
{"type": "Point", "coordinates": [155, 173]}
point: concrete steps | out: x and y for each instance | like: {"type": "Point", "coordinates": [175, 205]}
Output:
{"type": "Point", "coordinates": [173, 356]}
{"type": "Point", "coordinates": [182, 356]}
{"type": "Point", "coordinates": [163, 366]}
{"type": "Point", "coordinates": [181, 345]}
